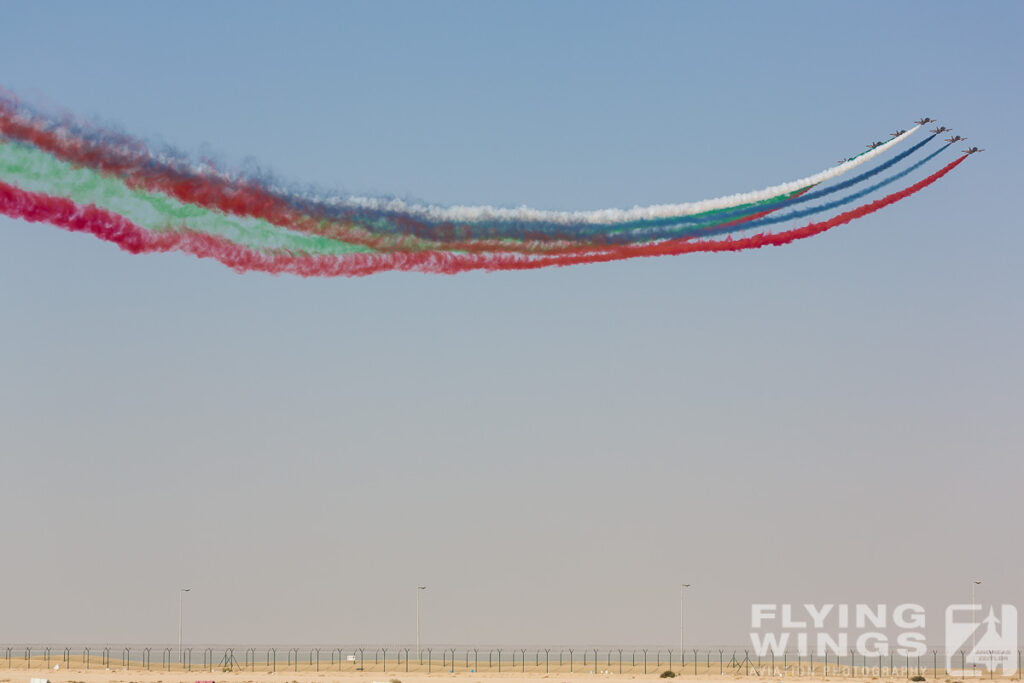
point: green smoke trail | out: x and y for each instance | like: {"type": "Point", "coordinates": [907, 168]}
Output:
{"type": "Point", "coordinates": [38, 171]}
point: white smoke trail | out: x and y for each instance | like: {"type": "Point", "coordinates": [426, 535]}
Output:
{"type": "Point", "coordinates": [490, 213]}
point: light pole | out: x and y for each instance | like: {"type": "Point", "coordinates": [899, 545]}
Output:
{"type": "Point", "coordinates": [419, 653]}
{"type": "Point", "coordinates": [682, 618]}
{"type": "Point", "coordinates": [974, 621]}
{"type": "Point", "coordinates": [180, 591]}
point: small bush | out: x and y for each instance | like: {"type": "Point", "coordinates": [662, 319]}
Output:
{"type": "Point", "coordinates": [667, 674]}
{"type": "Point", "coordinates": [395, 680]}
{"type": "Point", "coordinates": [917, 679]}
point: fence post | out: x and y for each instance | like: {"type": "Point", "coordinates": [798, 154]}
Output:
{"type": "Point", "coordinates": [428, 659]}
{"type": "Point", "coordinates": [721, 663]}
{"type": "Point", "coordinates": [547, 651]}
{"type": "Point", "coordinates": [620, 660]}
{"type": "Point", "coordinates": [85, 653]}
{"type": "Point", "coordinates": [570, 660]}
{"type": "Point", "coordinates": [272, 652]}
{"type": "Point", "coordinates": [645, 660]}
{"type": "Point", "coordinates": [695, 663]}
{"type": "Point", "coordinates": [384, 658]}
{"type": "Point", "coordinates": [595, 660]}
{"type": "Point", "coordinates": [499, 660]}
{"type": "Point", "coordinates": [407, 658]}
{"type": "Point", "coordinates": [250, 662]}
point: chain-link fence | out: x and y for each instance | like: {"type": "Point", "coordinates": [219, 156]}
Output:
{"type": "Point", "coordinates": [525, 660]}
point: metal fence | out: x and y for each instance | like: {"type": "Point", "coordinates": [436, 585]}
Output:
{"type": "Point", "coordinates": [460, 659]}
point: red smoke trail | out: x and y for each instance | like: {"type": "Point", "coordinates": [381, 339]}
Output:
{"type": "Point", "coordinates": [106, 225]}
{"type": "Point", "coordinates": [238, 198]}
{"type": "Point", "coordinates": [676, 247]}
{"type": "Point", "coordinates": [132, 166]}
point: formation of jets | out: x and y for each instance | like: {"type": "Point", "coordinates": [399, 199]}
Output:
{"type": "Point", "coordinates": [936, 131]}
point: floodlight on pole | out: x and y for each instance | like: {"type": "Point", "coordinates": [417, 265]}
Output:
{"type": "Point", "coordinates": [419, 653]}
{"type": "Point", "coordinates": [974, 620]}
{"type": "Point", "coordinates": [682, 619]}
{"type": "Point", "coordinates": [180, 591]}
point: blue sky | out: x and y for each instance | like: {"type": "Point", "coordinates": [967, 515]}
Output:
{"type": "Point", "coordinates": [551, 452]}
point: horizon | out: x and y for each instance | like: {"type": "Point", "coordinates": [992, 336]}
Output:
{"type": "Point", "coordinates": [553, 453]}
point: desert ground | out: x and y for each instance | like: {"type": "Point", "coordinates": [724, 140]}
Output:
{"type": "Point", "coordinates": [287, 673]}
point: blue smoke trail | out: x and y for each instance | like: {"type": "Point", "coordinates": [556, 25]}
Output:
{"type": "Point", "coordinates": [771, 220]}
{"type": "Point", "coordinates": [614, 233]}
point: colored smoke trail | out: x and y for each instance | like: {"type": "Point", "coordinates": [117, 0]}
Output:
{"type": "Point", "coordinates": [130, 160]}
{"type": "Point", "coordinates": [113, 186]}
{"type": "Point", "coordinates": [677, 247]}
{"type": "Point", "coordinates": [64, 213]}
{"type": "Point", "coordinates": [39, 171]}
{"type": "Point", "coordinates": [757, 222]}
{"type": "Point", "coordinates": [650, 227]}
{"type": "Point", "coordinates": [475, 214]}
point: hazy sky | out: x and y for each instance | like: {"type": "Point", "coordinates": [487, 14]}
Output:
{"type": "Point", "coordinates": [551, 452]}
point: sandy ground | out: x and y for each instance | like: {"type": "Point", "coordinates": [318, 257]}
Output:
{"type": "Point", "coordinates": [118, 675]}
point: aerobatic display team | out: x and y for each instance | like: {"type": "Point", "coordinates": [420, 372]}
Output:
{"type": "Point", "coordinates": [82, 178]}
